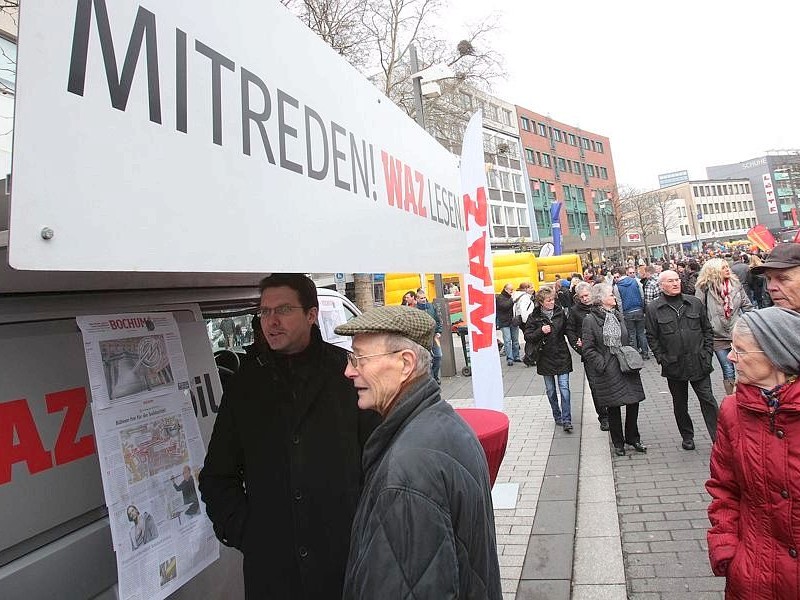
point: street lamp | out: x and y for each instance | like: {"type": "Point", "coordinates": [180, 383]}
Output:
{"type": "Point", "coordinates": [602, 222]}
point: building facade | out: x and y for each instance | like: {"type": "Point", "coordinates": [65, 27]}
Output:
{"type": "Point", "coordinates": [775, 184]}
{"type": "Point", "coordinates": [565, 163]}
{"type": "Point", "coordinates": [668, 179]}
{"type": "Point", "coordinates": [707, 211]}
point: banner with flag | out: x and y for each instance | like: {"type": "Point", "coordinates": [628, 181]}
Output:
{"type": "Point", "coordinates": [555, 217]}
{"type": "Point", "coordinates": [478, 289]}
{"type": "Point", "coordinates": [761, 237]}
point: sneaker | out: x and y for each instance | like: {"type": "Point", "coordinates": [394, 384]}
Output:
{"type": "Point", "coordinates": [639, 447]}
{"type": "Point", "coordinates": [619, 450]}
{"type": "Point", "coordinates": [510, 363]}
{"type": "Point", "coordinates": [604, 426]}
{"type": "Point", "coordinates": [559, 422]}
{"type": "Point", "coordinates": [687, 444]}
{"type": "Point", "coordinates": [568, 427]}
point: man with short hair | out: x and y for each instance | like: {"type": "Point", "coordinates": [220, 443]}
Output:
{"type": "Point", "coordinates": [436, 350]}
{"type": "Point", "coordinates": [282, 475]}
{"type": "Point", "coordinates": [650, 287]}
{"type": "Point", "coordinates": [630, 299]}
{"type": "Point", "coordinates": [782, 272]}
{"type": "Point", "coordinates": [682, 342]}
{"type": "Point", "coordinates": [425, 524]}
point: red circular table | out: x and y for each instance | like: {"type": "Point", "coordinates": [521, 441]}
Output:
{"type": "Point", "coordinates": [491, 427]}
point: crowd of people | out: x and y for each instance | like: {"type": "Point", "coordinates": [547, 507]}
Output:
{"type": "Point", "coordinates": [742, 311]}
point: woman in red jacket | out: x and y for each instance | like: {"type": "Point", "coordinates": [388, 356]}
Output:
{"type": "Point", "coordinates": [754, 538]}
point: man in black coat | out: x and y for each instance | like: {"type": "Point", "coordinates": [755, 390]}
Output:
{"type": "Point", "coordinates": [282, 475]}
{"type": "Point", "coordinates": [580, 308]}
{"type": "Point", "coordinates": [425, 524]}
{"type": "Point", "coordinates": [682, 341]}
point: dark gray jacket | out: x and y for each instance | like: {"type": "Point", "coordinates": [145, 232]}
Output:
{"type": "Point", "coordinates": [554, 356]}
{"type": "Point", "coordinates": [681, 339]}
{"type": "Point", "coordinates": [425, 524]}
{"type": "Point", "coordinates": [610, 386]}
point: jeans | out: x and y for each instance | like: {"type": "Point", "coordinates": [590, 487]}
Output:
{"type": "Point", "coordinates": [564, 414]}
{"type": "Point", "coordinates": [728, 370]}
{"type": "Point", "coordinates": [634, 323]}
{"type": "Point", "coordinates": [680, 405]}
{"type": "Point", "coordinates": [511, 342]}
{"type": "Point", "coordinates": [436, 353]}
{"type": "Point", "coordinates": [631, 432]}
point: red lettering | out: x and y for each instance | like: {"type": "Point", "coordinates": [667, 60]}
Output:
{"type": "Point", "coordinates": [484, 336]}
{"type": "Point", "coordinates": [16, 416]}
{"type": "Point", "coordinates": [113, 324]}
{"type": "Point", "coordinates": [421, 193]}
{"type": "Point", "coordinates": [410, 201]}
{"type": "Point", "coordinates": [391, 174]}
{"type": "Point", "coordinates": [67, 447]}
{"type": "Point", "coordinates": [477, 260]}
{"type": "Point", "coordinates": [477, 209]}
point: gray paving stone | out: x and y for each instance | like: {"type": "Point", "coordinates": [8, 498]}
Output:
{"type": "Point", "coordinates": [549, 557]}
{"type": "Point", "coordinates": [559, 487]}
{"type": "Point", "coordinates": [543, 590]}
{"type": "Point", "coordinates": [555, 516]}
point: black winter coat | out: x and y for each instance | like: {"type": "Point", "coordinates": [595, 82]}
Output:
{"type": "Point", "coordinates": [504, 309]}
{"type": "Point", "coordinates": [425, 523]}
{"type": "Point", "coordinates": [610, 386]}
{"type": "Point", "coordinates": [682, 340]}
{"type": "Point", "coordinates": [282, 476]}
{"type": "Point", "coordinates": [575, 318]}
{"type": "Point", "coordinates": [554, 356]}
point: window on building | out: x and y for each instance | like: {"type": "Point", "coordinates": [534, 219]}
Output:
{"type": "Point", "coordinates": [746, 188]}
{"type": "Point", "coordinates": [516, 181]}
{"type": "Point", "coordinates": [576, 166]}
{"type": "Point", "coordinates": [511, 216]}
{"type": "Point", "coordinates": [522, 216]}
{"type": "Point", "coordinates": [529, 156]}
{"type": "Point", "coordinates": [538, 158]}
{"type": "Point", "coordinates": [585, 143]}
{"type": "Point", "coordinates": [695, 191]}
{"type": "Point", "coordinates": [526, 125]}
{"type": "Point", "coordinates": [498, 217]}
{"type": "Point", "coordinates": [546, 161]}
{"type": "Point", "coordinates": [702, 189]}
{"type": "Point", "coordinates": [599, 146]}
{"type": "Point", "coordinates": [505, 180]}
{"type": "Point", "coordinates": [562, 164]}
{"type": "Point", "coordinates": [507, 119]}
{"type": "Point", "coordinates": [557, 135]}
{"type": "Point", "coordinates": [603, 172]}
{"type": "Point", "coordinates": [750, 204]}
{"type": "Point", "coordinates": [594, 145]}
{"type": "Point", "coordinates": [542, 129]}
{"type": "Point", "coordinates": [466, 100]}
{"type": "Point", "coordinates": [590, 170]}
{"type": "Point", "coordinates": [491, 176]}
{"type": "Point", "coordinates": [571, 139]}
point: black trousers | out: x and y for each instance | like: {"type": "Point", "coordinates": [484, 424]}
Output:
{"type": "Point", "coordinates": [680, 405]}
{"type": "Point", "coordinates": [631, 435]}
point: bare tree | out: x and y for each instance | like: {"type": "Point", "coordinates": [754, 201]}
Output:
{"type": "Point", "coordinates": [640, 211]}
{"type": "Point", "coordinates": [666, 212]}
{"type": "Point", "coordinates": [340, 23]}
{"type": "Point", "coordinates": [620, 219]}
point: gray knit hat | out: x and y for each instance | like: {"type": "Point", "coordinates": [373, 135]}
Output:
{"type": "Point", "coordinates": [406, 321]}
{"type": "Point", "coordinates": [777, 331]}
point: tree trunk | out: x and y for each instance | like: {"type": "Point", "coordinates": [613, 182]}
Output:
{"type": "Point", "coordinates": [363, 289]}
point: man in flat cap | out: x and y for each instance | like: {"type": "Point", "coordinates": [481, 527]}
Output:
{"type": "Point", "coordinates": [424, 527]}
{"type": "Point", "coordinates": [782, 272]}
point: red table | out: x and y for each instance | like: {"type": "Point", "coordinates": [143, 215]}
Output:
{"type": "Point", "coordinates": [491, 427]}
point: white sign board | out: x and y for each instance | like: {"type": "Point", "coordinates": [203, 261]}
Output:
{"type": "Point", "coordinates": [179, 136]}
{"type": "Point", "coordinates": [769, 192]}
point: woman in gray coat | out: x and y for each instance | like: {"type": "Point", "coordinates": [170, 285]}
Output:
{"type": "Point", "coordinates": [604, 329]}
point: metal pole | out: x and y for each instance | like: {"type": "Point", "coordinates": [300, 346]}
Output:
{"type": "Point", "coordinates": [448, 366]}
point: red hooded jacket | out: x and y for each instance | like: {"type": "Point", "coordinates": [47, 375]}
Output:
{"type": "Point", "coordinates": [754, 538]}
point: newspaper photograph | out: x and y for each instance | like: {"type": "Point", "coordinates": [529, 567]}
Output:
{"type": "Point", "coordinates": [133, 356]}
{"type": "Point", "coordinates": [331, 315]}
{"type": "Point", "coordinates": [151, 452]}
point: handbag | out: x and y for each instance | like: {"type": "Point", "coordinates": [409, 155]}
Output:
{"type": "Point", "coordinates": [630, 361]}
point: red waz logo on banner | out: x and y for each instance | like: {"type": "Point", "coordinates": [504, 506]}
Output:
{"type": "Point", "coordinates": [482, 332]}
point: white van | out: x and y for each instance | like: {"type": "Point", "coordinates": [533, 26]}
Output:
{"type": "Point", "coordinates": [55, 540]}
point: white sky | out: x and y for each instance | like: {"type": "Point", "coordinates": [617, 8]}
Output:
{"type": "Point", "coordinates": [674, 85]}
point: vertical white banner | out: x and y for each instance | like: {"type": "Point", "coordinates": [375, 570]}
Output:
{"type": "Point", "coordinates": [769, 191]}
{"type": "Point", "coordinates": [487, 380]}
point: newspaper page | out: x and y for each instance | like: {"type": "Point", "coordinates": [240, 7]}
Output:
{"type": "Point", "coordinates": [331, 315]}
{"type": "Point", "coordinates": [151, 451]}
{"type": "Point", "coordinates": [133, 356]}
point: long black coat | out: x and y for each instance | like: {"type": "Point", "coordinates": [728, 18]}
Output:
{"type": "Point", "coordinates": [282, 476]}
{"type": "Point", "coordinates": [504, 309]}
{"type": "Point", "coordinates": [610, 386]}
{"type": "Point", "coordinates": [575, 318]}
{"type": "Point", "coordinates": [425, 525]}
{"type": "Point", "coordinates": [554, 357]}
{"type": "Point", "coordinates": [681, 340]}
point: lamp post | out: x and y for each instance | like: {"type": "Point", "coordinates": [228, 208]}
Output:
{"type": "Point", "coordinates": [448, 366]}
{"type": "Point", "coordinates": [602, 221]}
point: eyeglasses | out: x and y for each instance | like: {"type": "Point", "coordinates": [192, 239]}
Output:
{"type": "Point", "coordinates": [353, 359]}
{"type": "Point", "coordinates": [280, 311]}
{"type": "Point", "coordinates": [737, 352]}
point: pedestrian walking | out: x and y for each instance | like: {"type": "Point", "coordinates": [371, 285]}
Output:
{"type": "Point", "coordinates": [754, 484]}
{"type": "Point", "coordinates": [545, 330]}
{"type": "Point", "coordinates": [504, 317]}
{"type": "Point", "coordinates": [580, 308]}
{"type": "Point", "coordinates": [630, 301]}
{"type": "Point", "coordinates": [603, 334]}
{"type": "Point", "coordinates": [424, 527]}
{"type": "Point", "coordinates": [725, 300]}
{"type": "Point", "coordinates": [682, 342]}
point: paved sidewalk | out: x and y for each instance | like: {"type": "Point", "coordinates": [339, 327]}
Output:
{"type": "Point", "coordinates": [589, 527]}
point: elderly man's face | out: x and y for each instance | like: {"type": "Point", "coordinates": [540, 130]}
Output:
{"type": "Point", "coordinates": [670, 283]}
{"type": "Point", "coordinates": [378, 374]}
{"type": "Point", "coordinates": [783, 286]}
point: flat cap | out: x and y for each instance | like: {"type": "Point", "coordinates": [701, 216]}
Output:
{"type": "Point", "coordinates": [783, 256]}
{"type": "Point", "coordinates": [406, 321]}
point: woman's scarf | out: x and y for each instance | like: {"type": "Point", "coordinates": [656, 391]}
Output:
{"type": "Point", "coordinates": [771, 397]}
{"type": "Point", "coordinates": [612, 332]}
{"type": "Point", "coordinates": [725, 294]}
